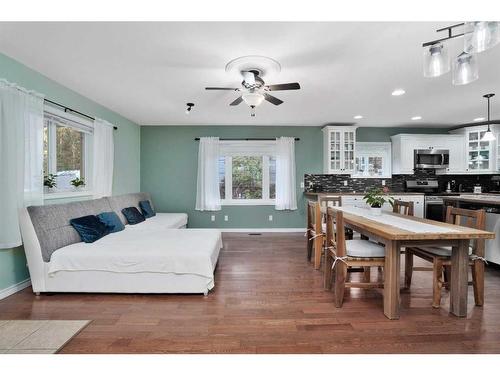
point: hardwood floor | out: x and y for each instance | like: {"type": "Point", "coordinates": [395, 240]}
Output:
{"type": "Point", "coordinates": [268, 299]}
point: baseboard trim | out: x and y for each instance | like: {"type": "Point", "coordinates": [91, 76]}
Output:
{"type": "Point", "coordinates": [4, 293]}
{"type": "Point", "coordinates": [262, 230]}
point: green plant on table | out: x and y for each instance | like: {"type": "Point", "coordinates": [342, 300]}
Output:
{"type": "Point", "coordinates": [376, 197]}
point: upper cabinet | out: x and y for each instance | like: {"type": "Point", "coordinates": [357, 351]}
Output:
{"type": "Point", "coordinates": [404, 146]}
{"type": "Point", "coordinates": [480, 156]}
{"type": "Point", "coordinates": [339, 147]}
{"type": "Point", "coordinates": [373, 160]}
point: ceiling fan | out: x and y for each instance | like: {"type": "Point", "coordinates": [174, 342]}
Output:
{"type": "Point", "coordinates": [255, 91]}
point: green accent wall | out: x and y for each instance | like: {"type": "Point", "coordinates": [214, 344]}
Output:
{"type": "Point", "coordinates": [169, 162]}
{"type": "Point", "coordinates": [169, 158]}
{"type": "Point", "coordinates": [127, 149]}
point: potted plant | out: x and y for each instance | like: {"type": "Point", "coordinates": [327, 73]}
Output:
{"type": "Point", "coordinates": [376, 198]}
{"type": "Point", "coordinates": [49, 182]}
{"type": "Point", "coordinates": [78, 183]}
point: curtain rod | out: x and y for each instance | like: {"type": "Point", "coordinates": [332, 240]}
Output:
{"type": "Point", "coordinates": [66, 109]}
{"type": "Point", "coordinates": [246, 139]}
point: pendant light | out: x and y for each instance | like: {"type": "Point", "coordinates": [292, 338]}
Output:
{"type": "Point", "coordinates": [481, 35]}
{"type": "Point", "coordinates": [488, 136]}
{"type": "Point", "coordinates": [436, 60]}
{"type": "Point", "coordinates": [465, 69]}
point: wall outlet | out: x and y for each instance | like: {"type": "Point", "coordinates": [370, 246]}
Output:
{"type": "Point", "coordinates": [345, 182]}
{"type": "Point", "coordinates": [302, 184]}
{"type": "Point", "coordinates": [383, 182]}
{"type": "Point", "coordinates": [270, 217]}
{"type": "Point", "coordinates": [226, 218]}
{"type": "Point", "coordinates": [212, 218]}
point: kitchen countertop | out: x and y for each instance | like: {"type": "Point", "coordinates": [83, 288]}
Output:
{"type": "Point", "coordinates": [355, 193]}
{"type": "Point", "coordinates": [488, 199]}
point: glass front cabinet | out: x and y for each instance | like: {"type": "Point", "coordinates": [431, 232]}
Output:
{"type": "Point", "coordinates": [482, 156]}
{"type": "Point", "coordinates": [339, 149]}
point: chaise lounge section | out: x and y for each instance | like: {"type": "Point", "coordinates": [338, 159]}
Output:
{"type": "Point", "coordinates": [156, 256]}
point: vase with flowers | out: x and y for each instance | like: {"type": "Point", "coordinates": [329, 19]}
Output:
{"type": "Point", "coordinates": [376, 197]}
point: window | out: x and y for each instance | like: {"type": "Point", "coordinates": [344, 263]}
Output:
{"type": "Point", "coordinates": [247, 179]}
{"type": "Point", "coordinates": [373, 160]}
{"type": "Point", "coordinates": [66, 150]}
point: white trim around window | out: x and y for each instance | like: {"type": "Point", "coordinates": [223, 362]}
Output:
{"type": "Point", "coordinates": [57, 117]}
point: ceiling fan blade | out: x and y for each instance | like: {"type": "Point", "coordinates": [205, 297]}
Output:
{"type": "Point", "coordinates": [237, 101]}
{"type": "Point", "coordinates": [221, 88]}
{"type": "Point", "coordinates": [284, 86]}
{"type": "Point", "coordinates": [249, 77]}
{"type": "Point", "coordinates": [272, 99]}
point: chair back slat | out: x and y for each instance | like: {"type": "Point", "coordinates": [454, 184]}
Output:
{"type": "Point", "coordinates": [314, 216]}
{"type": "Point", "coordinates": [475, 219]}
{"type": "Point", "coordinates": [330, 201]}
{"type": "Point", "coordinates": [335, 224]}
{"type": "Point", "coordinates": [402, 207]}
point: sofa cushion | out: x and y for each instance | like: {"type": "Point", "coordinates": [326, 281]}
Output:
{"type": "Point", "coordinates": [112, 220]}
{"type": "Point", "coordinates": [90, 228]}
{"type": "Point", "coordinates": [52, 226]}
{"type": "Point", "coordinates": [119, 202]}
{"type": "Point", "coordinates": [146, 209]}
{"type": "Point", "coordinates": [133, 215]}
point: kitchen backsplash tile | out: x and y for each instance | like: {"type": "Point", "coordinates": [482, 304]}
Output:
{"type": "Point", "coordinates": [335, 183]}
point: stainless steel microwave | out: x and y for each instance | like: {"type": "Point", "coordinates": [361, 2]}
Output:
{"type": "Point", "coordinates": [431, 158]}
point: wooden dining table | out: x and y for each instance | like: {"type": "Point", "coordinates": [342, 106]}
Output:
{"type": "Point", "coordinates": [394, 238]}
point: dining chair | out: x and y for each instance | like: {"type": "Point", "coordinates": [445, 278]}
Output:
{"type": "Point", "coordinates": [440, 257]}
{"type": "Point", "coordinates": [403, 207]}
{"type": "Point", "coordinates": [315, 236]}
{"type": "Point", "coordinates": [342, 254]}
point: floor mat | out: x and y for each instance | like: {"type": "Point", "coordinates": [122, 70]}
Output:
{"type": "Point", "coordinates": [37, 336]}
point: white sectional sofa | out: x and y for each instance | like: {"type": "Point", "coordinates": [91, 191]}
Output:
{"type": "Point", "coordinates": [156, 256]}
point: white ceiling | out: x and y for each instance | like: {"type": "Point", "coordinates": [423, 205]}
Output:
{"type": "Point", "coordinates": [148, 71]}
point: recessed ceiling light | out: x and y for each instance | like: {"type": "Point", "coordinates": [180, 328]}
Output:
{"type": "Point", "coordinates": [477, 119]}
{"type": "Point", "coordinates": [357, 117]}
{"type": "Point", "coordinates": [398, 92]}
{"type": "Point", "coordinates": [415, 118]}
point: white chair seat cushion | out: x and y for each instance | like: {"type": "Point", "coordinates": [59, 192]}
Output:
{"type": "Point", "coordinates": [441, 251]}
{"type": "Point", "coordinates": [364, 249]}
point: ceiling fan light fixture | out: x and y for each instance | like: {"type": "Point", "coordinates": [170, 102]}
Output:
{"type": "Point", "coordinates": [465, 69]}
{"type": "Point", "coordinates": [481, 35]}
{"type": "Point", "coordinates": [436, 60]}
{"type": "Point", "coordinates": [253, 99]}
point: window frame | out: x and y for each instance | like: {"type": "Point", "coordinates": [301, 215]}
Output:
{"type": "Point", "coordinates": [79, 125]}
{"type": "Point", "coordinates": [263, 149]}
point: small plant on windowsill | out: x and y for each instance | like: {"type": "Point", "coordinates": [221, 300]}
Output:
{"type": "Point", "coordinates": [376, 197]}
{"type": "Point", "coordinates": [49, 183]}
{"type": "Point", "coordinates": [78, 183]}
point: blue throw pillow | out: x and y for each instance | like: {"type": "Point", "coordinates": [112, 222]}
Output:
{"type": "Point", "coordinates": [90, 228]}
{"type": "Point", "coordinates": [112, 220]}
{"type": "Point", "coordinates": [146, 209]}
{"type": "Point", "coordinates": [133, 215]}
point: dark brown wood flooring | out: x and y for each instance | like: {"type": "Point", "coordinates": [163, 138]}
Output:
{"type": "Point", "coordinates": [268, 299]}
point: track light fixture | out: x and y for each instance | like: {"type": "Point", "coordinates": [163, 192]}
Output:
{"type": "Point", "coordinates": [478, 37]}
{"type": "Point", "coordinates": [189, 107]}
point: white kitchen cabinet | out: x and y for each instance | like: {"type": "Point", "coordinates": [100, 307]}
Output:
{"type": "Point", "coordinates": [373, 160]}
{"type": "Point", "coordinates": [404, 145]}
{"type": "Point", "coordinates": [339, 148]}
{"type": "Point", "coordinates": [480, 157]}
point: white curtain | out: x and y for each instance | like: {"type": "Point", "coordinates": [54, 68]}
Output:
{"type": "Point", "coordinates": [286, 195]}
{"type": "Point", "coordinates": [21, 157]}
{"type": "Point", "coordinates": [207, 187]}
{"type": "Point", "coordinates": [103, 158]}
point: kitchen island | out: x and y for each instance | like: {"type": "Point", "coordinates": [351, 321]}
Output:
{"type": "Point", "coordinates": [355, 199]}
{"type": "Point", "coordinates": [491, 204]}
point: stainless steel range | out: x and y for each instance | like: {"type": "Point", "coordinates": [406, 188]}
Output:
{"type": "Point", "coordinates": [434, 206]}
